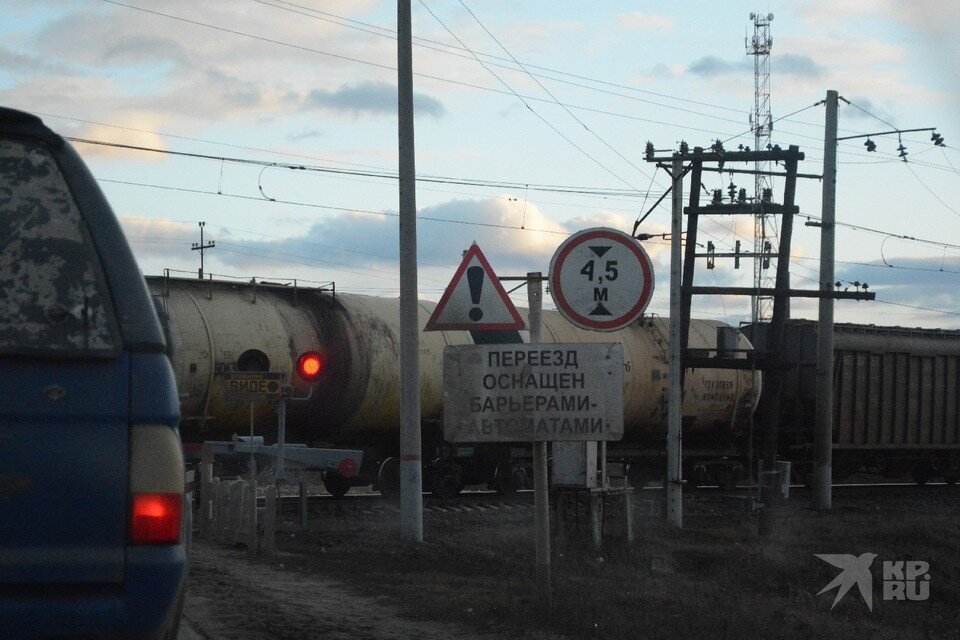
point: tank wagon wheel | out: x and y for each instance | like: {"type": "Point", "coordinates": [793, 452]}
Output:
{"type": "Point", "coordinates": [699, 477]}
{"type": "Point", "coordinates": [921, 474]}
{"type": "Point", "coordinates": [445, 478]}
{"type": "Point", "coordinates": [511, 477]}
{"type": "Point", "coordinates": [388, 478]}
{"type": "Point", "coordinates": [335, 484]}
{"type": "Point", "coordinates": [728, 482]}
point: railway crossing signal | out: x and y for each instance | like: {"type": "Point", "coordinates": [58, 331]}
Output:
{"type": "Point", "coordinates": [310, 366]}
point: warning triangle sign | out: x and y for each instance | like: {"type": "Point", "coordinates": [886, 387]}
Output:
{"type": "Point", "coordinates": [475, 300]}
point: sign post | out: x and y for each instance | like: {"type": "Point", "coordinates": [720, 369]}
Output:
{"type": "Point", "coordinates": [538, 393]}
{"type": "Point", "coordinates": [541, 487]}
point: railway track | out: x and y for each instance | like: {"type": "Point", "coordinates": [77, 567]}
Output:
{"type": "Point", "coordinates": [480, 501]}
{"type": "Point", "coordinates": [374, 503]}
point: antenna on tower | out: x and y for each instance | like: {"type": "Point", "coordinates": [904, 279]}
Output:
{"type": "Point", "coordinates": [761, 123]}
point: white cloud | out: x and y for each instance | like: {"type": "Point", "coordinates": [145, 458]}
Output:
{"type": "Point", "coordinates": [369, 98]}
{"type": "Point", "coordinates": [132, 128]}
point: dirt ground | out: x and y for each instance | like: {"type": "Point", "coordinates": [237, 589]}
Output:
{"type": "Point", "coordinates": [349, 576]}
{"type": "Point", "coordinates": [231, 598]}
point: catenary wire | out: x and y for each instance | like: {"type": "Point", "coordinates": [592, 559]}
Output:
{"type": "Point", "coordinates": [539, 116]}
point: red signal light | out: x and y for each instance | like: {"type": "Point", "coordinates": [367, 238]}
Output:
{"type": "Point", "coordinates": [155, 518]}
{"type": "Point", "coordinates": [310, 366]}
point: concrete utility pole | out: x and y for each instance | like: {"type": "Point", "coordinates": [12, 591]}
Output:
{"type": "Point", "coordinates": [201, 247]}
{"type": "Point", "coordinates": [674, 487]}
{"type": "Point", "coordinates": [823, 434]}
{"type": "Point", "coordinates": [411, 473]}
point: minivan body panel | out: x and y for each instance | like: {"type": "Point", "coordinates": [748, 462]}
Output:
{"type": "Point", "coordinates": [63, 470]}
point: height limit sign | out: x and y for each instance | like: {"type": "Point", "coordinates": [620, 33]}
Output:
{"type": "Point", "coordinates": [601, 279]}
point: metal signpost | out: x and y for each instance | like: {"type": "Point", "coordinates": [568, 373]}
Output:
{"type": "Point", "coordinates": [263, 386]}
{"type": "Point", "coordinates": [601, 279]}
{"type": "Point", "coordinates": [538, 393]}
{"type": "Point", "coordinates": [541, 483]}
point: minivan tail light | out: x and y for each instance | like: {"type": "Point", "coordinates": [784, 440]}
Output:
{"type": "Point", "coordinates": [156, 518]}
{"type": "Point", "coordinates": [156, 485]}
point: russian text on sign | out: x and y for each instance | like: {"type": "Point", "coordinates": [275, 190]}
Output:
{"type": "Point", "coordinates": [510, 393]}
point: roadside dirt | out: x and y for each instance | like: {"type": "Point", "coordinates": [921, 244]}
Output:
{"type": "Point", "coordinates": [348, 575]}
{"type": "Point", "coordinates": [230, 598]}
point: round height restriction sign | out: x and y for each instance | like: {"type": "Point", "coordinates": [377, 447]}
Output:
{"type": "Point", "coordinates": [601, 279]}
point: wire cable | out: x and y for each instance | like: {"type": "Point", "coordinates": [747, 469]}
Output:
{"type": "Point", "coordinates": [444, 47]}
{"type": "Point", "coordinates": [550, 93]}
{"type": "Point", "coordinates": [931, 191]}
{"type": "Point", "coordinates": [329, 207]}
{"type": "Point", "coordinates": [527, 104]}
{"type": "Point", "coordinates": [376, 174]}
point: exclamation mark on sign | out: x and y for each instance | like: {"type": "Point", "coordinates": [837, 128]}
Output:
{"type": "Point", "coordinates": [475, 281]}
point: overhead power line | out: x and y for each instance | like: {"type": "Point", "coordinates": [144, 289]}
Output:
{"type": "Point", "coordinates": [910, 306]}
{"type": "Point", "coordinates": [375, 174]}
{"type": "Point", "coordinates": [688, 128]}
{"type": "Point", "coordinates": [527, 104]}
{"type": "Point", "coordinates": [550, 93]}
{"type": "Point", "coordinates": [444, 47]}
{"type": "Point", "coordinates": [389, 67]}
{"type": "Point", "coordinates": [329, 207]}
{"type": "Point", "coordinates": [558, 75]}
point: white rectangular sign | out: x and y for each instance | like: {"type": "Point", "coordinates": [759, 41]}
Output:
{"type": "Point", "coordinates": [528, 393]}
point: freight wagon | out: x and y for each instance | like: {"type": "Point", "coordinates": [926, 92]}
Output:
{"type": "Point", "coordinates": [896, 391]}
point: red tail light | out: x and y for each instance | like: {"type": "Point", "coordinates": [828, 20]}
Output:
{"type": "Point", "coordinates": [310, 366]}
{"type": "Point", "coordinates": [155, 518]}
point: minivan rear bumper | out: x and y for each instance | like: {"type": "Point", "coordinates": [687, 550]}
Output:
{"type": "Point", "coordinates": [142, 607]}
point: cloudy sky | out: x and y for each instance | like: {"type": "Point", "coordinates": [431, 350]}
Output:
{"type": "Point", "coordinates": [531, 124]}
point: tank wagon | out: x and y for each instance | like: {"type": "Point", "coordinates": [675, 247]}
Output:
{"type": "Point", "coordinates": [896, 391]}
{"type": "Point", "coordinates": [217, 327]}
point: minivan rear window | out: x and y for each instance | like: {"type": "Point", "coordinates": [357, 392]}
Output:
{"type": "Point", "coordinates": [53, 296]}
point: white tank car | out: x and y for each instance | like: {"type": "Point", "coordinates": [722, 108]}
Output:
{"type": "Point", "coordinates": [216, 327]}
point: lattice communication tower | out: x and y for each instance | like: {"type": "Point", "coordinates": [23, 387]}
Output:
{"type": "Point", "coordinates": [765, 231]}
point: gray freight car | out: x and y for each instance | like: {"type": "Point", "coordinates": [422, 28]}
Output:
{"type": "Point", "coordinates": [895, 399]}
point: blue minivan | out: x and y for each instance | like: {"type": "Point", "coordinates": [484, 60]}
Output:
{"type": "Point", "coordinates": [93, 521]}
